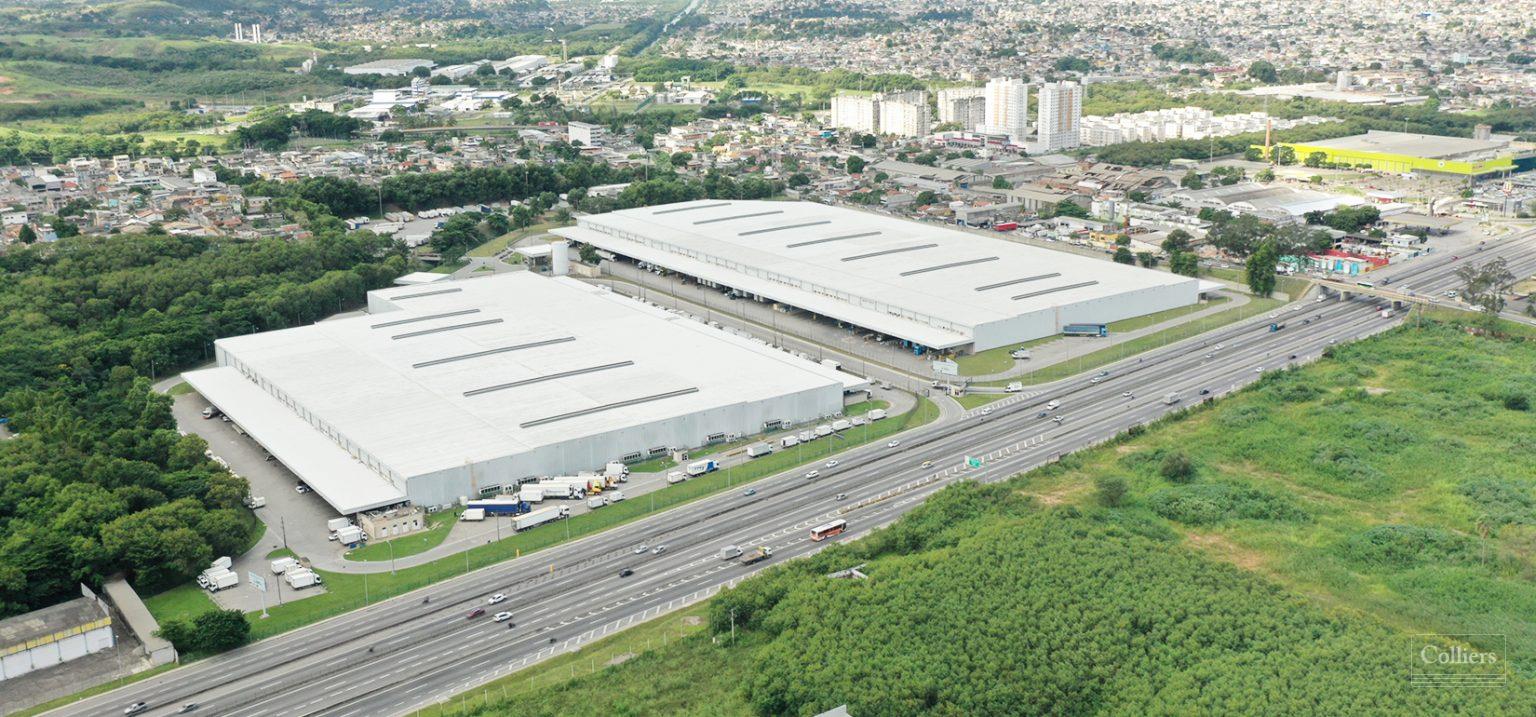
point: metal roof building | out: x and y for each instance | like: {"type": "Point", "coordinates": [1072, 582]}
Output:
{"type": "Point", "coordinates": [935, 287]}
{"type": "Point", "coordinates": [448, 389]}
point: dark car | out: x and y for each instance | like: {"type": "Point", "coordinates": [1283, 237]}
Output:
{"type": "Point", "coordinates": [623, 573]}
{"type": "Point", "coordinates": [136, 708]}
{"type": "Point", "coordinates": [1205, 392]}
{"type": "Point", "coordinates": [1040, 414]}
{"type": "Point", "coordinates": [188, 707]}
{"type": "Point", "coordinates": [477, 612]}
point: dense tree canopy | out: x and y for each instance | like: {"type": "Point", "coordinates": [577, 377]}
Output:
{"type": "Point", "coordinates": [97, 479]}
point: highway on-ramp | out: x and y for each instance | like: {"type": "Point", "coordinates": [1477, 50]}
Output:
{"type": "Point", "coordinates": [407, 652]}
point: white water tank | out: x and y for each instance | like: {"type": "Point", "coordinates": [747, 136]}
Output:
{"type": "Point", "coordinates": [560, 259]}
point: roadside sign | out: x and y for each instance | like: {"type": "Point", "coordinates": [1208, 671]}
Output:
{"type": "Point", "coordinates": [257, 581]}
{"type": "Point", "coordinates": [945, 368]}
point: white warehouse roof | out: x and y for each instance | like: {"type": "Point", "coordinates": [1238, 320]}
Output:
{"type": "Point", "coordinates": [939, 287]}
{"type": "Point", "coordinates": [449, 375]}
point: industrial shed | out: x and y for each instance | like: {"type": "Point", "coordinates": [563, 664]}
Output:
{"type": "Point", "coordinates": [930, 286]}
{"type": "Point", "coordinates": [446, 390]}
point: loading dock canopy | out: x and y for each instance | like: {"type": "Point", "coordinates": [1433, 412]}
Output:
{"type": "Point", "coordinates": [348, 485]}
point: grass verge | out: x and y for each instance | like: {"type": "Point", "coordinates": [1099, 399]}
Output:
{"type": "Point", "coordinates": [672, 647]}
{"type": "Point", "coordinates": [182, 602]}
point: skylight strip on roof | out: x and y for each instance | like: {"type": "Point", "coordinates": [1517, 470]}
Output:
{"type": "Point", "coordinates": [492, 352]}
{"type": "Point", "coordinates": [1053, 290]}
{"type": "Point", "coordinates": [950, 265]}
{"type": "Point", "coordinates": [1011, 282]}
{"type": "Point", "coordinates": [689, 209]}
{"type": "Point", "coordinates": [547, 377]}
{"type": "Point", "coordinates": [424, 293]}
{"type": "Point", "coordinates": [836, 238]}
{"type": "Point", "coordinates": [428, 317]}
{"type": "Point", "coordinates": [738, 216]}
{"type": "Point", "coordinates": [441, 329]}
{"type": "Point", "coordinates": [608, 407]}
{"type": "Point", "coordinates": [897, 250]}
{"type": "Point", "coordinates": [786, 227]}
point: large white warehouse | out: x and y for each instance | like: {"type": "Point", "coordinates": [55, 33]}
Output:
{"type": "Point", "coordinates": [442, 391]}
{"type": "Point", "coordinates": [934, 287]}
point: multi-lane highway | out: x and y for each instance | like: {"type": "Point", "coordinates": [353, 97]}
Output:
{"type": "Point", "coordinates": [1433, 275]}
{"type": "Point", "coordinates": [408, 652]}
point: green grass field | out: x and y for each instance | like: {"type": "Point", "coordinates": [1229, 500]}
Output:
{"type": "Point", "coordinates": [1411, 475]}
{"type": "Point", "coordinates": [438, 525]}
{"type": "Point", "coordinates": [183, 602]}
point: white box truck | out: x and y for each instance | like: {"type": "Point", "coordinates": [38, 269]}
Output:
{"type": "Point", "coordinates": [282, 565]}
{"type": "Point", "coordinates": [472, 515]}
{"type": "Point", "coordinates": [222, 579]}
{"type": "Point", "coordinates": [789, 441]}
{"type": "Point", "coordinates": [540, 517]}
{"type": "Point", "coordinates": [596, 502]}
{"type": "Point", "coordinates": [1171, 398]}
{"type": "Point", "coordinates": [617, 471]}
{"type": "Point", "coordinates": [823, 430]}
{"type": "Point", "coordinates": [1015, 387]}
{"type": "Point", "coordinates": [302, 578]}
{"type": "Point", "coordinates": [842, 424]}
{"type": "Point", "coordinates": [757, 450]}
{"type": "Point", "coordinates": [877, 414]}
{"type": "Point", "coordinates": [335, 524]}
{"type": "Point", "coordinates": [350, 535]}
{"type": "Point", "coordinates": [255, 501]}
{"type": "Point", "coordinates": [614, 496]}
{"type": "Point", "coordinates": [729, 552]}
{"type": "Point", "coordinates": [806, 436]}
{"type": "Point", "coordinates": [531, 494]}
{"type": "Point", "coordinates": [698, 468]}
{"type": "Point", "coordinates": [676, 477]}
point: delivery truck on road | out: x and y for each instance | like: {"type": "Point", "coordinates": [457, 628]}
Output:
{"type": "Point", "coordinates": [698, 468]}
{"type": "Point", "coordinates": [1171, 398]}
{"type": "Point", "coordinates": [540, 517]}
{"type": "Point", "coordinates": [757, 450]}
{"type": "Point", "coordinates": [729, 552]}
{"type": "Point", "coordinates": [757, 554]}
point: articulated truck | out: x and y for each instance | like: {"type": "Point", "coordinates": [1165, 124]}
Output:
{"type": "Point", "coordinates": [540, 517]}
{"type": "Point", "coordinates": [499, 506]}
{"type": "Point", "coordinates": [757, 554]}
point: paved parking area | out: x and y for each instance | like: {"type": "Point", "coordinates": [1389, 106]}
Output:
{"type": "Point", "coordinates": [294, 521]}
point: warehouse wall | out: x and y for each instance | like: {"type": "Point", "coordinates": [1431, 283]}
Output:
{"type": "Point", "coordinates": [1101, 310]}
{"type": "Point", "coordinates": [592, 452]}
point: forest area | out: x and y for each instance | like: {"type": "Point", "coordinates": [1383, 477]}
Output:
{"type": "Point", "coordinates": [96, 479]}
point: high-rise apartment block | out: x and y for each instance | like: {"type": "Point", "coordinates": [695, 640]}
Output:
{"type": "Point", "coordinates": [1007, 107]}
{"type": "Point", "coordinates": [1060, 116]}
{"type": "Point", "coordinates": [905, 114]}
{"type": "Point", "coordinates": [965, 106]}
{"type": "Point", "coordinates": [856, 112]}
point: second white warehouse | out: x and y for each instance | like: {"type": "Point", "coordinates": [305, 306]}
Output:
{"type": "Point", "coordinates": [929, 286]}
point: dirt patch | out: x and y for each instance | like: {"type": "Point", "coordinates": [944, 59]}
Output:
{"type": "Point", "coordinates": [1064, 494]}
{"type": "Point", "coordinates": [620, 659]}
{"type": "Point", "coordinates": [3, 89]}
{"type": "Point", "coordinates": [1218, 546]}
{"type": "Point", "coordinates": [692, 620]}
{"type": "Point", "coordinates": [1377, 390]}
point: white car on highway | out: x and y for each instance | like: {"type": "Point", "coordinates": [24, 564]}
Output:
{"type": "Point", "coordinates": [893, 444]}
{"type": "Point", "coordinates": [812, 475]}
{"type": "Point", "coordinates": [498, 597]}
{"type": "Point", "coordinates": [502, 616]}
{"type": "Point", "coordinates": [831, 464]}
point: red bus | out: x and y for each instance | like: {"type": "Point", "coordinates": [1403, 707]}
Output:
{"type": "Point", "coordinates": [1005, 226]}
{"type": "Point", "coordinates": [822, 532]}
